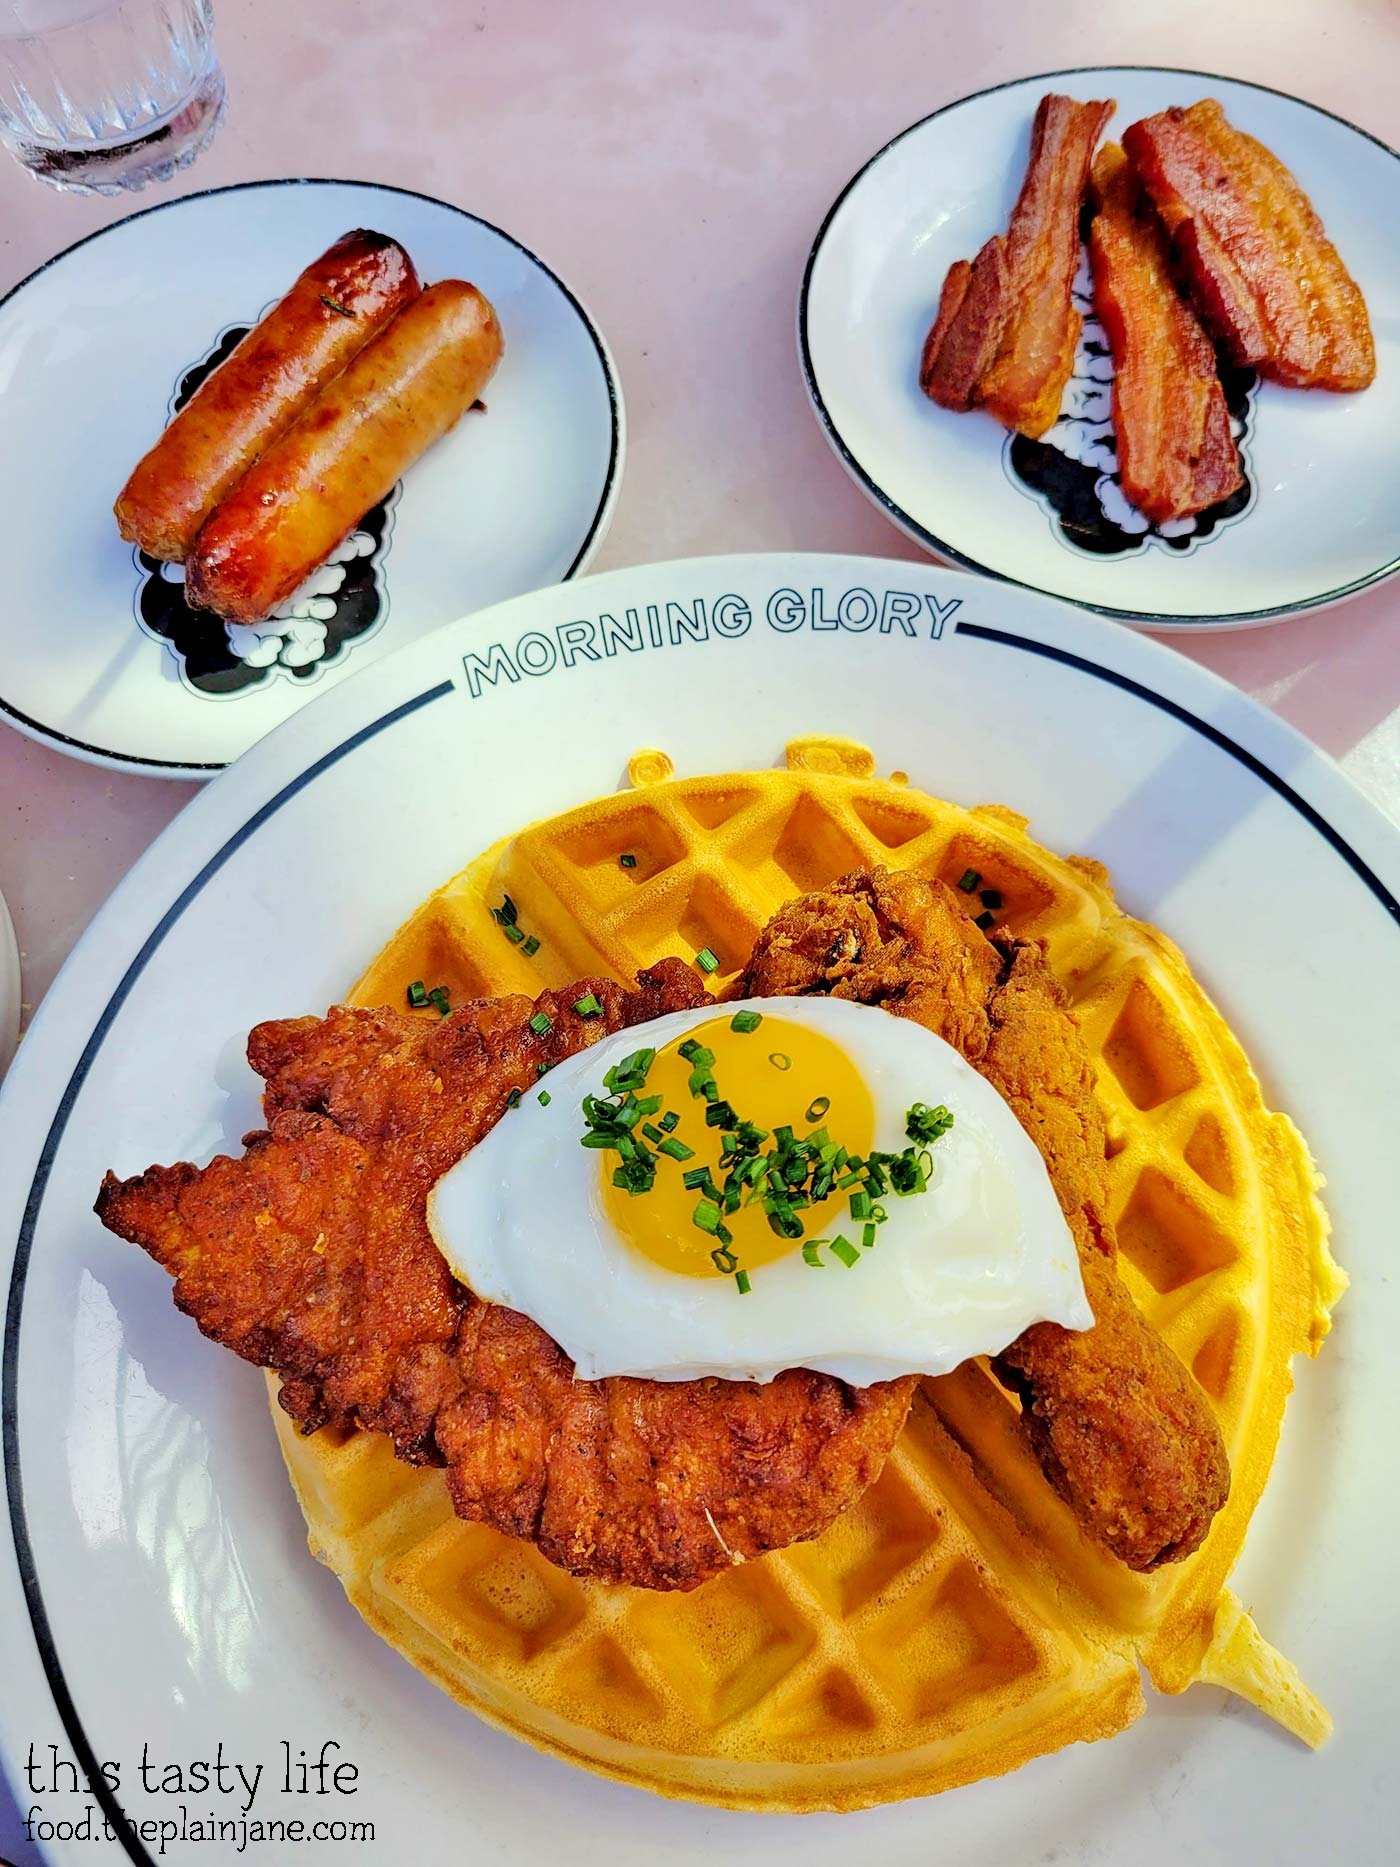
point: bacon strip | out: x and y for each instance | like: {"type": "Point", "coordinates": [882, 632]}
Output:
{"type": "Point", "coordinates": [1006, 328]}
{"type": "Point", "coordinates": [1176, 454]}
{"type": "Point", "coordinates": [1266, 278]}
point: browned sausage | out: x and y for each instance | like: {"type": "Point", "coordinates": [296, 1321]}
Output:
{"type": "Point", "coordinates": [398, 396]}
{"type": "Point", "coordinates": [342, 300]}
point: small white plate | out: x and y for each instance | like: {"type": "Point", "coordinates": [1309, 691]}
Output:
{"type": "Point", "coordinates": [99, 657]}
{"type": "Point", "coordinates": [1319, 519]}
{"type": "Point", "coordinates": [158, 1588]}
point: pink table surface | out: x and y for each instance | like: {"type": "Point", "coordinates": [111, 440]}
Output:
{"type": "Point", "coordinates": [673, 162]}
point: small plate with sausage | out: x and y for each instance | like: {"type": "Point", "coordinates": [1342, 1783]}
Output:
{"type": "Point", "coordinates": [263, 435]}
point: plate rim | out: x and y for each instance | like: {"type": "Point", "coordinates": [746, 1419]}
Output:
{"type": "Point", "coordinates": [195, 850]}
{"type": "Point", "coordinates": [195, 770]}
{"type": "Point", "coordinates": [11, 988]}
{"type": "Point", "coordinates": [1163, 620]}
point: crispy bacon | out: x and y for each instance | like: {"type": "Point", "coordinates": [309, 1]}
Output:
{"type": "Point", "coordinates": [1266, 278]}
{"type": "Point", "coordinates": [1176, 454]}
{"type": "Point", "coordinates": [1006, 328]}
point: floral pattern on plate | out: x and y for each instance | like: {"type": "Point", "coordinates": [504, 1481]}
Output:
{"type": "Point", "coordinates": [343, 602]}
{"type": "Point", "coordinates": [1073, 470]}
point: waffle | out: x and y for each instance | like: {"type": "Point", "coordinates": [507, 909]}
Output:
{"type": "Point", "coordinates": [955, 1622]}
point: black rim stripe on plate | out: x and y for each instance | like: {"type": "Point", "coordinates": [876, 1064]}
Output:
{"type": "Point", "coordinates": [29, 1578]}
{"type": "Point", "coordinates": [159, 765]}
{"type": "Point", "coordinates": [910, 525]}
{"type": "Point", "coordinates": [9, 1392]}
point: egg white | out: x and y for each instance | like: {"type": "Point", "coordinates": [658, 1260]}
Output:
{"type": "Point", "coordinates": [957, 1271]}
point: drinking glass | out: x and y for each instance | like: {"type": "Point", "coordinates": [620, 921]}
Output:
{"type": "Point", "coordinates": [98, 96]}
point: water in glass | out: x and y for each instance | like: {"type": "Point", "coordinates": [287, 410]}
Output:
{"type": "Point", "coordinates": [99, 96]}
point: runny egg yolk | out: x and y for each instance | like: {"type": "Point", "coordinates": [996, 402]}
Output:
{"type": "Point", "coordinates": [780, 1075]}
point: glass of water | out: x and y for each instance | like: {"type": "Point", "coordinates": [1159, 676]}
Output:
{"type": "Point", "coordinates": [98, 96]}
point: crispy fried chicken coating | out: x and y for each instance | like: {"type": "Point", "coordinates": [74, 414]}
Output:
{"type": "Point", "coordinates": [311, 1255]}
{"type": "Point", "coordinates": [1120, 1428]}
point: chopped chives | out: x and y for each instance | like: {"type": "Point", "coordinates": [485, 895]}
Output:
{"type": "Point", "coordinates": [706, 960]}
{"type": "Point", "coordinates": [745, 1021]}
{"type": "Point", "coordinates": [631, 1073]}
{"type": "Point", "coordinates": [720, 1115]}
{"type": "Point", "coordinates": [652, 1132]}
{"type": "Point", "coordinates": [741, 1278]}
{"type": "Point", "coordinates": [841, 1247]}
{"type": "Point", "coordinates": [810, 1253]}
{"type": "Point", "coordinates": [969, 880]}
{"type": "Point", "coordinates": [513, 1099]}
{"type": "Point", "coordinates": [588, 1006]}
{"type": "Point", "coordinates": [634, 1176]}
{"type": "Point", "coordinates": [670, 1121]}
{"type": "Point", "coordinates": [984, 921]}
{"type": "Point", "coordinates": [541, 1022]}
{"type": "Point", "coordinates": [780, 1059]}
{"type": "Point", "coordinates": [543, 1098]}
{"type": "Point", "coordinates": [783, 1220]}
{"type": "Point", "coordinates": [543, 1069]}
{"type": "Point", "coordinates": [818, 1108]}
{"type": "Point", "coordinates": [867, 1236]}
{"type": "Point", "coordinates": [417, 995]}
{"type": "Point", "coordinates": [531, 946]}
{"type": "Point", "coordinates": [860, 1205]}
{"type": "Point", "coordinates": [506, 914]}
{"type": "Point", "coordinates": [990, 897]}
{"type": "Point", "coordinates": [627, 861]}
{"type": "Point", "coordinates": [724, 1260]}
{"type": "Point", "coordinates": [677, 1150]}
{"type": "Point", "coordinates": [707, 1216]}
{"type": "Point", "coordinates": [516, 935]}
{"type": "Point", "coordinates": [925, 1125]}
{"type": "Point", "coordinates": [438, 997]}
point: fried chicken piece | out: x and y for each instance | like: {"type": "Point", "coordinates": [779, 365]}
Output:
{"type": "Point", "coordinates": [1267, 280]}
{"type": "Point", "coordinates": [311, 1255]}
{"type": "Point", "coordinates": [1120, 1428]}
{"type": "Point", "coordinates": [1006, 328]}
{"type": "Point", "coordinates": [1176, 454]}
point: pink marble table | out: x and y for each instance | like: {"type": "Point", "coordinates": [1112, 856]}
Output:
{"type": "Point", "coordinates": [673, 162]}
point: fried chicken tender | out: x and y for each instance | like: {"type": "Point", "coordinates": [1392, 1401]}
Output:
{"type": "Point", "coordinates": [311, 1255]}
{"type": "Point", "coordinates": [1006, 327]}
{"type": "Point", "coordinates": [1120, 1428]}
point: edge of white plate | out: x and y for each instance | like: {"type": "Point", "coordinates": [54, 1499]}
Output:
{"type": "Point", "coordinates": [1141, 619]}
{"type": "Point", "coordinates": [9, 988]}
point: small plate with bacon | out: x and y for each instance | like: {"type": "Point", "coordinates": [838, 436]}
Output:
{"type": "Point", "coordinates": [1119, 334]}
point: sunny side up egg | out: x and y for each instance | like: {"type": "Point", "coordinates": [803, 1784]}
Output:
{"type": "Point", "coordinates": [673, 1281]}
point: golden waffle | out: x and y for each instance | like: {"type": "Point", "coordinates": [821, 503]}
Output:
{"type": "Point", "coordinates": [955, 1622]}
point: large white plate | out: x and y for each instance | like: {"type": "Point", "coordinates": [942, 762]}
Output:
{"type": "Point", "coordinates": [159, 1556]}
{"type": "Point", "coordinates": [93, 347]}
{"type": "Point", "coordinates": [1320, 521]}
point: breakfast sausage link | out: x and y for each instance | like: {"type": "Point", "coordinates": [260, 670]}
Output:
{"type": "Point", "coordinates": [337, 305]}
{"type": "Point", "coordinates": [398, 396]}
